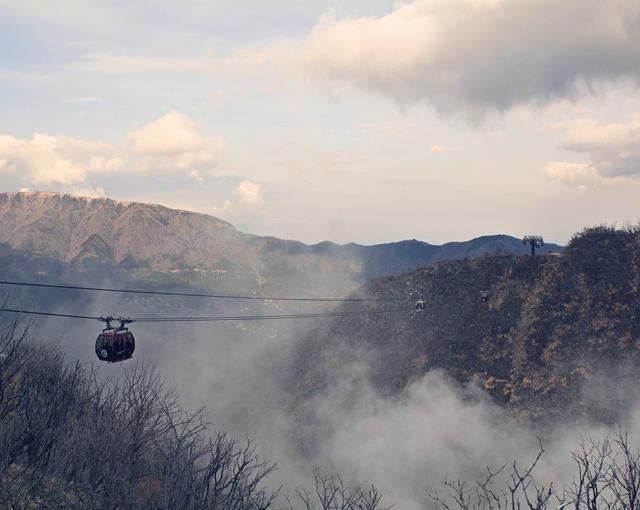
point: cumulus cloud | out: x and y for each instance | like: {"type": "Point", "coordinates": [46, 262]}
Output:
{"type": "Point", "coordinates": [249, 192]}
{"type": "Point", "coordinates": [174, 141]}
{"type": "Point", "coordinates": [170, 143]}
{"type": "Point", "coordinates": [577, 174]}
{"type": "Point", "coordinates": [45, 159]}
{"type": "Point", "coordinates": [613, 151]}
{"type": "Point", "coordinates": [471, 55]}
{"type": "Point", "coordinates": [172, 133]}
{"type": "Point", "coordinates": [614, 148]}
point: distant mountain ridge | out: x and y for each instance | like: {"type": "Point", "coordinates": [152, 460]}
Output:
{"type": "Point", "coordinates": [84, 233]}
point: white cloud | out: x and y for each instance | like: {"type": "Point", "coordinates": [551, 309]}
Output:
{"type": "Point", "coordinates": [98, 164]}
{"type": "Point", "coordinates": [171, 143]}
{"type": "Point", "coordinates": [45, 159]}
{"type": "Point", "coordinates": [172, 133]}
{"type": "Point", "coordinates": [613, 151]}
{"type": "Point", "coordinates": [249, 192]}
{"type": "Point", "coordinates": [614, 148]}
{"type": "Point", "coordinates": [471, 56]}
{"type": "Point", "coordinates": [577, 174]}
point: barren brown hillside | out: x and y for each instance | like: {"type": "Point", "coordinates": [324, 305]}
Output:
{"type": "Point", "coordinates": [544, 334]}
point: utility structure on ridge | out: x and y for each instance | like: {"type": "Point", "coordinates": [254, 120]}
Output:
{"type": "Point", "coordinates": [534, 242]}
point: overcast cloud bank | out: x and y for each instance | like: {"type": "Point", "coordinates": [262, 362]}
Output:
{"type": "Point", "coordinates": [471, 56]}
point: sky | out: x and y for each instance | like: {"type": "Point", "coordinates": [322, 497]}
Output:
{"type": "Point", "coordinates": [365, 121]}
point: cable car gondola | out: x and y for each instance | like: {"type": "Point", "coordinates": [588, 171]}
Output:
{"type": "Point", "coordinates": [115, 344]}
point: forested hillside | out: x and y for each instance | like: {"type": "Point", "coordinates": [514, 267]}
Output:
{"type": "Point", "coordinates": [543, 335]}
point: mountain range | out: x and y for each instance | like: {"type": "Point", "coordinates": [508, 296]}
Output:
{"type": "Point", "coordinates": [64, 236]}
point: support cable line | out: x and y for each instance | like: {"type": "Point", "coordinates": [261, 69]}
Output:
{"type": "Point", "coordinates": [191, 294]}
{"type": "Point", "coordinates": [49, 314]}
{"type": "Point", "coordinates": [264, 317]}
{"type": "Point", "coordinates": [215, 318]}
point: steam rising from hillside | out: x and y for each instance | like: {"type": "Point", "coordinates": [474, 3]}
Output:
{"type": "Point", "coordinates": [405, 445]}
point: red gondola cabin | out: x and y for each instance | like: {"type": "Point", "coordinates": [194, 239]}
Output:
{"type": "Point", "coordinates": [113, 345]}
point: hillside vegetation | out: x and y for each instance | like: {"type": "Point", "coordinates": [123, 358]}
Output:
{"type": "Point", "coordinates": [70, 440]}
{"type": "Point", "coordinates": [543, 335]}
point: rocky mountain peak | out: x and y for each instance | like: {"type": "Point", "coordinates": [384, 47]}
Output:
{"type": "Point", "coordinates": [69, 228]}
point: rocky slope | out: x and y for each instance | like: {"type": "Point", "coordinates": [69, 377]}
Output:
{"type": "Point", "coordinates": [52, 234]}
{"type": "Point", "coordinates": [544, 335]}
{"type": "Point", "coordinates": [73, 229]}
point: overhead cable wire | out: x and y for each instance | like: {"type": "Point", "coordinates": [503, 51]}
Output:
{"type": "Point", "coordinates": [264, 317]}
{"type": "Point", "coordinates": [215, 318]}
{"type": "Point", "coordinates": [189, 294]}
{"type": "Point", "coordinates": [48, 314]}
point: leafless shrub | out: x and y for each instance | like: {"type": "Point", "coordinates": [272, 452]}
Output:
{"type": "Point", "coordinates": [519, 490]}
{"type": "Point", "coordinates": [606, 476]}
{"type": "Point", "coordinates": [69, 439]}
{"type": "Point", "coordinates": [332, 493]}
